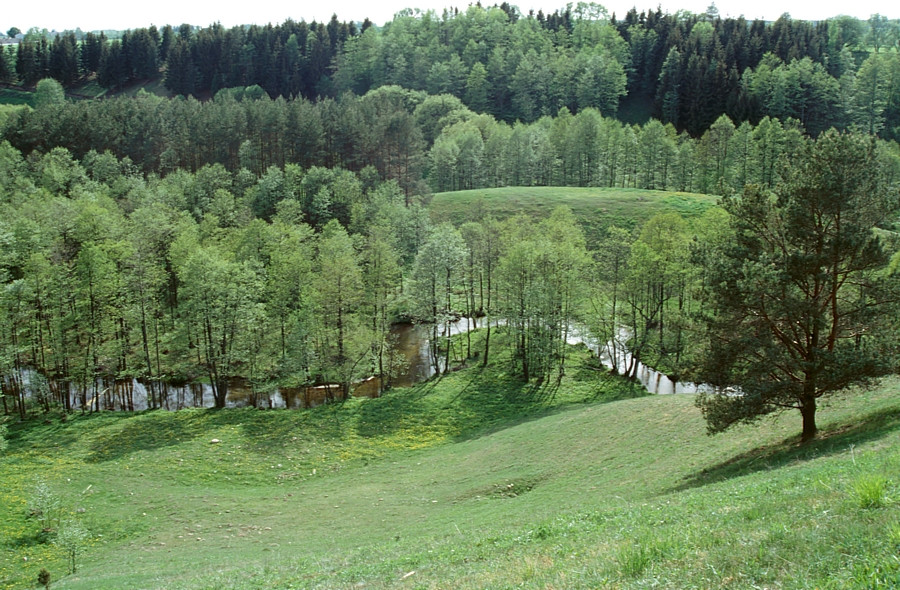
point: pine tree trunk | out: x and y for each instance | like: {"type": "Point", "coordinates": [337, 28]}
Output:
{"type": "Point", "coordinates": [808, 411]}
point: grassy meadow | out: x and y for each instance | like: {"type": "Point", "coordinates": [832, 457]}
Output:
{"type": "Point", "coordinates": [595, 208]}
{"type": "Point", "coordinates": [475, 480]}
{"type": "Point", "coordinates": [15, 96]}
{"type": "Point", "coordinates": [89, 88]}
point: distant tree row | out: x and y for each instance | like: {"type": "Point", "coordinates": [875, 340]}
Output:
{"type": "Point", "coordinates": [422, 142]}
{"type": "Point", "coordinates": [588, 149]}
{"type": "Point", "coordinates": [681, 68]}
{"type": "Point", "coordinates": [291, 59]}
{"type": "Point", "coordinates": [240, 129]}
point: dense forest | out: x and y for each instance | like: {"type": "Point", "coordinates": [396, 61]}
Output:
{"type": "Point", "coordinates": [684, 69]}
{"type": "Point", "coordinates": [422, 142]}
{"type": "Point", "coordinates": [103, 285]}
{"type": "Point", "coordinates": [295, 276]}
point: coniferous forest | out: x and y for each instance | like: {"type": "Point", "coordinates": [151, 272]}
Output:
{"type": "Point", "coordinates": [681, 68]}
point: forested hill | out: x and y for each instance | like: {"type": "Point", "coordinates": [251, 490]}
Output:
{"type": "Point", "coordinates": [422, 143]}
{"type": "Point", "coordinates": [685, 69]}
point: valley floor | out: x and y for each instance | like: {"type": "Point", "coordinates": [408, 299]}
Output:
{"type": "Point", "coordinates": [472, 481]}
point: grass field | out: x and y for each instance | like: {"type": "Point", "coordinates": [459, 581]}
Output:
{"type": "Point", "coordinates": [88, 89]}
{"type": "Point", "coordinates": [595, 208]}
{"type": "Point", "coordinates": [91, 89]}
{"type": "Point", "coordinates": [13, 96]}
{"type": "Point", "coordinates": [473, 481]}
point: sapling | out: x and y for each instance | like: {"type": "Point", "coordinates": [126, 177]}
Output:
{"type": "Point", "coordinates": [71, 538]}
{"type": "Point", "coordinates": [44, 505]}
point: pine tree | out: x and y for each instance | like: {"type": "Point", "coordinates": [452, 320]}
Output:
{"type": "Point", "coordinates": [797, 295]}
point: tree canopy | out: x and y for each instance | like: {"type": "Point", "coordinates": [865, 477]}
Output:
{"type": "Point", "coordinates": [799, 294]}
{"type": "Point", "coordinates": [682, 68]}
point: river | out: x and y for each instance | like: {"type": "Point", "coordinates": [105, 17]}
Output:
{"type": "Point", "coordinates": [654, 381]}
{"type": "Point", "coordinates": [413, 344]}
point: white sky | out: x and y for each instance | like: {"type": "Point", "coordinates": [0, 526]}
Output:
{"type": "Point", "coordinates": [131, 14]}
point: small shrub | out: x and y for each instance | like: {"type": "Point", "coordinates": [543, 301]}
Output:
{"type": "Point", "coordinates": [44, 578]}
{"type": "Point", "coordinates": [869, 490]}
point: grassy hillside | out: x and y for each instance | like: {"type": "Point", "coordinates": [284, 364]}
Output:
{"type": "Point", "coordinates": [595, 208]}
{"type": "Point", "coordinates": [15, 95]}
{"type": "Point", "coordinates": [474, 481]}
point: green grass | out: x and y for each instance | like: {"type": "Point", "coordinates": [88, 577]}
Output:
{"type": "Point", "coordinates": [870, 489]}
{"type": "Point", "coordinates": [472, 481]}
{"type": "Point", "coordinates": [13, 96]}
{"type": "Point", "coordinates": [91, 89]}
{"type": "Point", "coordinates": [595, 208]}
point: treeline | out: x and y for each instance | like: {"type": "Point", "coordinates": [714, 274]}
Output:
{"type": "Point", "coordinates": [107, 275]}
{"type": "Point", "coordinates": [422, 142]}
{"type": "Point", "coordinates": [290, 59]}
{"type": "Point", "coordinates": [295, 277]}
{"type": "Point", "coordinates": [588, 149]}
{"type": "Point", "coordinates": [681, 68]}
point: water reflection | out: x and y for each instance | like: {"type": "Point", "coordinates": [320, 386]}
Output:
{"type": "Point", "coordinates": [414, 345]}
{"type": "Point", "coordinates": [138, 395]}
{"type": "Point", "coordinates": [653, 381]}
{"type": "Point", "coordinates": [412, 341]}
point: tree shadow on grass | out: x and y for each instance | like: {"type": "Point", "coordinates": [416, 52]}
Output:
{"type": "Point", "coordinates": [498, 404]}
{"type": "Point", "coordinates": [493, 400]}
{"type": "Point", "coordinates": [835, 440]}
{"type": "Point", "coordinates": [156, 429]}
{"type": "Point", "coordinates": [464, 402]}
{"type": "Point", "coordinates": [30, 538]}
{"type": "Point", "coordinates": [40, 432]}
{"type": "Point", "coordinates": [395, 410]}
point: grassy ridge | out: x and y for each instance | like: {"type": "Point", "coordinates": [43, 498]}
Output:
{"type": "Point", "coordinates": [595, 208]}
{"type": "Point", "coordinates": [119, 466]}
{"type": "Point", "coordinates": [475, 481]}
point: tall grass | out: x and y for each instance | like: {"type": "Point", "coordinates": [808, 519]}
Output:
{"type": "Point", "coordinates": [870, 489]}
